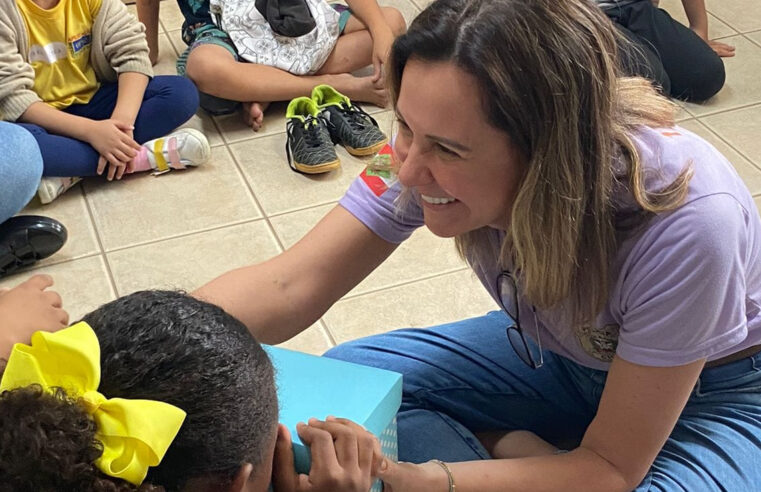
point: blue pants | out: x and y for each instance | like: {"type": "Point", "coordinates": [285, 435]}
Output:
{"type": "Point", "coordinates": [169, 101]}
{"type": "Point", "coordinates": [464, 377]}
{"type": "Point", "coordinates": [20, 169]}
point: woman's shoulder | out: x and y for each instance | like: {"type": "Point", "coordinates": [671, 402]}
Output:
{"type": "Point", "coordinates": [664, 153]}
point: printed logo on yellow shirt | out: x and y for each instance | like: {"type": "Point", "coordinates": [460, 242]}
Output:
{"type": "Point", "coordinates": [50, 53]}
{"type": "Point", "coordinates": [79, 43]}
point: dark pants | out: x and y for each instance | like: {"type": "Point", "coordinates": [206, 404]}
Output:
{"type": "Point", "coordinates": [169, 101]}
{"type": "Point", "coordinates": [668, 53]}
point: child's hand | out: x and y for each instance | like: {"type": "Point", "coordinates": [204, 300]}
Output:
{"type": "Point", "coordinates": [343, 457]}
{"type": "Point", "coordinates": [112, 141]}
{"type": "Point", "coordinates": [28, 308]}
{"type": "Point", "coordinates": [382, 41]}
{"type": "Point", "coordinates": [724, 50]}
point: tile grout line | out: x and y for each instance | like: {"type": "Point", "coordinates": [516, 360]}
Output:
{"type": "Point", "coordinates": [727, 110]}
{"type": "Point", "coordinates": [745, 35]}
{"type": "Point", "coordinates": [723, 21]}
{"type": "Point", "coordinates": [109, 272]}
{"type": "Point", "coordinates": [255, 199]}
{"type": "Point", "coordinates": [326, 333]}
{"type": "Point", "coordinates": [201, 231]}
{"type": "Point", "coordinates": [729, 144]}
{"type": "Point", "coordinates": [182, 235]}
{"type": "Point", "coordinates": [348, 297]}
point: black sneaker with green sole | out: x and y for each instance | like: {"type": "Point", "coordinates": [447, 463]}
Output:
{"type": "Point", "coordinates": [349, 125]}
{"type": "Point", "coordinates": [309, 146]}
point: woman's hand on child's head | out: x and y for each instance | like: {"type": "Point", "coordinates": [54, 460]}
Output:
{"type": "Point", "coordinates": [27, 308]}
{"type": "Point", "coordinates": [343, 457]}
{"type": "Point", "coordinates": [113, 141]}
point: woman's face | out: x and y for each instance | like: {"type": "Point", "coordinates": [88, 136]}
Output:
{"type": "Point", "coordinates": [466, 171]}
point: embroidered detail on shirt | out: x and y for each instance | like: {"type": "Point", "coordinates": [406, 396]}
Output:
{"type": "Point", "coordinates": [50, 53]}
{"type": "Point", "coordinates": [600, 343]}
{"type": "Point", "coordinates": [671, 134]}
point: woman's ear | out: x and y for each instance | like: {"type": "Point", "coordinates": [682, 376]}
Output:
{"type": "Point", "coordinates": [242, 478]}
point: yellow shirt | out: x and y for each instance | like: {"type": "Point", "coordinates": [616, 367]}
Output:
{"type": "Point", "coordinates": [59, 50]}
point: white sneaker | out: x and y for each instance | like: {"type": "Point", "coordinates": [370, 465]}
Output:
{"type": "Point", "coordinates": [53, 187]}
{"type": "Point", "coordinates": [183, 148]}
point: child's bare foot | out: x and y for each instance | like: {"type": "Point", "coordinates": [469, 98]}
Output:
{"type": "Point", "coordinates": [253, 114]}
{"type": "Point", "coordinates": [361, 89]}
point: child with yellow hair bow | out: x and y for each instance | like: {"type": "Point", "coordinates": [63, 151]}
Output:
{"type": "Point", "coordinates": [158, 389]}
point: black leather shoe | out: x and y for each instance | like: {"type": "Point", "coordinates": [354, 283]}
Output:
{"type": "Point", "coordinates": [26, 239]}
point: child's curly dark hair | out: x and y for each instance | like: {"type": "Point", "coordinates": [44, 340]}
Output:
{"type": "Point", "coordinates": [47, 443]}
{"type": "Point", "coordinates": [155, 345]}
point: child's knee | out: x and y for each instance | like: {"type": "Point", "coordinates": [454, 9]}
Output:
{"type": "Point", "coordinates": [188, 93]}
{"type": "Point", "coordinates": [710, 80]}
{"type": "Point", "coordinates": [183, 96]}
{"type": "Point", "coordinates": [395, 20]}
{"type": "Point", "coordinates": [203, 69]}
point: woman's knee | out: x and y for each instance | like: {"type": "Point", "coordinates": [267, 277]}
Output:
{"type": "Point", "coordinates": [395, 20]}
{"type": "Point", "coordinates": [20, 168]}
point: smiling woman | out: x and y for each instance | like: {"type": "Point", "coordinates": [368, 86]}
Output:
{"type": "Point", "coordinates": [465, 170]}
{"type": "Point", "coordinates": [623, 248]}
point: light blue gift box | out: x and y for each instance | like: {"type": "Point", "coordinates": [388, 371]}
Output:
{"type": "Point", "coordinates": [310, 386]}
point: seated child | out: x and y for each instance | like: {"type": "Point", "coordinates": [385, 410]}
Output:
{"type": "Point", "coordinates": [225, 80]}
{"type": "Point", "coordinates": [76, 74]}
{"type": "Point", "coordinates": [169, 347]}
{"type": "Point", "coordinates": [680, 59]}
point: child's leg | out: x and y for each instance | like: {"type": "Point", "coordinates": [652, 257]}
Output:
{"type": "Point", "coordinates": [208, 63]}
{"type": "Point", "coordinates": [64, 156]}
{"type": "Point", "coordinates": [169, 101]}
{"type": "Point", "coordinates": [354, 48]}
{"type": "Point", "coordinates": [639, 58]}
{"type": "Point", "coordinates": [695, 70]}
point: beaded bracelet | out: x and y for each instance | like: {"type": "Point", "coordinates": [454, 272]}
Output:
{"type": "Point", "coordinates": [452, 487]}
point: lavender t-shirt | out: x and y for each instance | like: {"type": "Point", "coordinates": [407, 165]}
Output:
{"type": "Point", "coordinates": [687, 285]}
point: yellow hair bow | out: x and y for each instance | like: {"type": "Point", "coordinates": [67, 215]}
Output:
{"type": "Point", "coordinates": [135, 433]}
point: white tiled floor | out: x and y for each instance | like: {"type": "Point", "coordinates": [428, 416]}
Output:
{"type": "Point", "coordinates": [183, 229]}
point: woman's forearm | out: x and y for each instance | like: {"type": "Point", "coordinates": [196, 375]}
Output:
{"type": "Point", "coordinates": [580, 469]}
{"type": "Point", "coordinates": [281, 297]}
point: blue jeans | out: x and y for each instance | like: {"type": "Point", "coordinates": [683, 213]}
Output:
{"type": "Point", "coordinates": [169, 101]}
{"type": "Point", "coordinates": [462, 378]}
{"type": "Point", "coordinates": [20, 169]}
